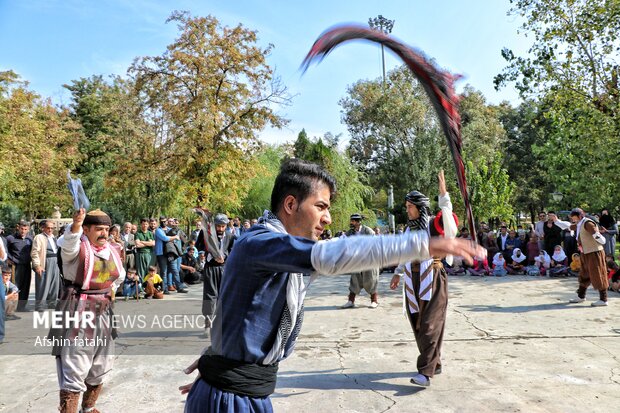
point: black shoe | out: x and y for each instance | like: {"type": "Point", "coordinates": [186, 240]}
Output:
{"type": "Point", "coordinates": [182, 290]}
{"type": "Point", "coordinates": [438, 370]}
{"type": "Point", "coordinates": [13, 317]}
{"type": "Point", "coordinates": [166, 292]}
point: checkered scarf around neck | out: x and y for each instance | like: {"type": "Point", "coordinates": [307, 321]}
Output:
{"type": "Point", "coordinates": [423, 203]}
{"type": "Point", "coordinates": [293, 314]}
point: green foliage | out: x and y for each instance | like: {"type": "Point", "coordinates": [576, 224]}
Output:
{"type": "Point", "coordinates": [352, 191]}
{"type": "Point", "coordinates": [491, 191]}
{"type": "Point", "coordinates": [37, 149]}
{"type": "Point", "coordinates": [572, 71]}
{"type": "Point", "coordinates": [208, 95]}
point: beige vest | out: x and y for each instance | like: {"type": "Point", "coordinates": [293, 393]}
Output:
{"type": "Point", "coordinates": [588, 243]}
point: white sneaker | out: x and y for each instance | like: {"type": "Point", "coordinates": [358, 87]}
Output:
{"type": "Point", "coordinates": [349, 304]}
{"type": "Point", "coordinates": [576, 300]}
{"type": "Point", "coordinates": [599, 303]}
{"type": "Point", "coordinates": [374, 304]}
{"type": "Point", "coordinates": [421, 380]}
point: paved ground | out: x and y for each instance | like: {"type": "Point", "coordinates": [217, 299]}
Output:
{"type": "Point", "coordinates": [512, 344]}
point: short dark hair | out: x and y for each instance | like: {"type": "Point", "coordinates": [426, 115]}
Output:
{"type": "Point", "coordinates": [551, 212]}
{"type": "Point", "coordinates": [23, 223]}
{"type": "Point", "coordinates": [152, 268]}
{"type": "Point", "coordinates": [299, 178]}
{"type": "Point", "coordinates": [144, 220]}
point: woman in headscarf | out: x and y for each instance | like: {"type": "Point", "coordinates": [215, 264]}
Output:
{"type": "Point", "coordinates": [559, 263]}
{"type": "Point", "coordinates": [499, 265]}
{"type": "Point", "coordinates": [518, 262]}
{"type": "Point", "coordinates": [543, 262]}
{"type": "Point", "coordinates": [609, 229]}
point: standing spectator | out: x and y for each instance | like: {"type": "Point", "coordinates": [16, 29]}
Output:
{"type": "Point", "coordinates": [174, 266]}
{"type": "Point", "coordinates": [2, 251]}
{"type": "Point", "coordinates": [246, 225]}
{"type": "Point", "coordinates": [45, 264]}
{"type": "Point", "coordinates": [502, 243]}
{"type": "Point", "coordinates": [145, 242]}
{"type": "Point", "coordinates": [533, 250]}
{"type": "Point", "coordinates": [162, 258]}
{"type": "Point", "coordinates": [153, 225]}
{"type": "Point", "coordinates": [492, 248]}
{"type": "Point", "coordinates": [609, 229]}
{"type": "Point", "coordinates": [553, 233]}
{"type": "Point", "coordinates": [2, 236]}
{"type": "Point", "coordinates": [130, 246]}
{"type": "Point", "coordinates": [116, 240]}
{"type": "Point", "coordinates": [134, 229]}
{"type": "Point", "coordinates": [539, 230]}
{"type": "Point", "coordinates": [194, 235]}
{"type": "Point", "coordinates": [253, 222]}
{"type": "Point", "coordinates": [19, 246]}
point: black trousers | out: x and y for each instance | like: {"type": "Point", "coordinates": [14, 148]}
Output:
{"type": "Point", "coordinates": [23, 275]}
{"type": "Point", "coordinates": [210, 291]}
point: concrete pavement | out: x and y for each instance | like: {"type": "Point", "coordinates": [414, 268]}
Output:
{"type": "Point", "coordinates": [512, 344]}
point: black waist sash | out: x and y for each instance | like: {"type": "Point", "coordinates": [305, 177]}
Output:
{"type": "Point", "coordinates": [238, 377]}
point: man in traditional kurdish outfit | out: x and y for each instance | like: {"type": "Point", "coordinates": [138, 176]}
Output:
{"type": "Point", "coordinates": [45, 265]}
{"type": "Point", "coordinates": [93, 270]}
{"type": "Point", "coordinates": [145, 241]}
{"type": "Point", "coordinates": [260, 310]}
{"type": "Point", "coordinates": [214, 267]}
{"type": "Point", "coordinates": [593, 266]}
{"type": "Point", "coordinates": [426, 284]}
{"type": "Point", "coordinates": [368, 280]}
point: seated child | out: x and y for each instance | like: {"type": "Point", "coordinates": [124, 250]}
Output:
{"type": "Point", "coordinates": [457, 267]}
{"type": "Point", "coordinates": [575, 265]}
{"type": "Point", "coordinates": [518, 262]}
{"type": "Point", "coordinates": [11, 296]}
{"type": "Point", "coordinates": [499, 265]}
{"type": "Point", "coordinates": [480, 267]}
{"type": "Point", "coordinates": [131, 287]}
{"type": "Point", "coordinates": [543, 262]}
{"type": "Point", "coordinates": [559, 263]}
{"type": "Point", "coordinates": [153, 284]}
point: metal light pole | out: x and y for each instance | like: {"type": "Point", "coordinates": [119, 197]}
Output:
{"type": "Point", "coordinates": [383, 25]}
{"type": "Point", "coordinates": [391, 223]}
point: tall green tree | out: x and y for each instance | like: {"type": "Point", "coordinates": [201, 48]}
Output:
{"type": "Point", "coordinates": [37, 149]}
{"type": "Point", "coordinates": [353, 192]}
{"type": "Point", "coordinates": [571, 69]}
{"type": "Point", "coordinates": [208, 95]}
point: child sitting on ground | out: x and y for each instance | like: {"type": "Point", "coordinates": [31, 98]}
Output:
{"type": "Point", "coordinates": [532, 250]}
{"type": "Point", "coordinates": [499, 265]}
{"type": "Point", "coordinates": [543, 262]}
{"type": "Point", "coordinates": [131, 287]}
{"type": "Point", "coordinates": [457, 267]}
{"type": "Point", "coordinates": [12, 291]}
{"type": "Point", "coordinates": [518, 262]}
{"type": "Point", "coordinates": [559, 263]}
{"type": "Point", "coordinates": [480, 267]}
{"type": "Point", "coordinates": [575, 265]}
{"type": "Point", "coordinates": [153, 284]}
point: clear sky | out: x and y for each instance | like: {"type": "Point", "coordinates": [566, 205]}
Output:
{"type": "Point", "coordinates": [51, 42]}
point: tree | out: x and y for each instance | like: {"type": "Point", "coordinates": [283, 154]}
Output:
{"type": "Point", "coordinates": [352, 191]}
{"type": "Point", "coordinates": [37, 149]}
{"type": "Point", "coordinates": [395, 138]}
{"type": "Point", "coordinates": [208, 96]}
{"type": "Point", "coordinates": [572, 70]}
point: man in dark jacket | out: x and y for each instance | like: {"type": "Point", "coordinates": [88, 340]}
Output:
{"type": "Point", "coordinates": [19, 246]}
